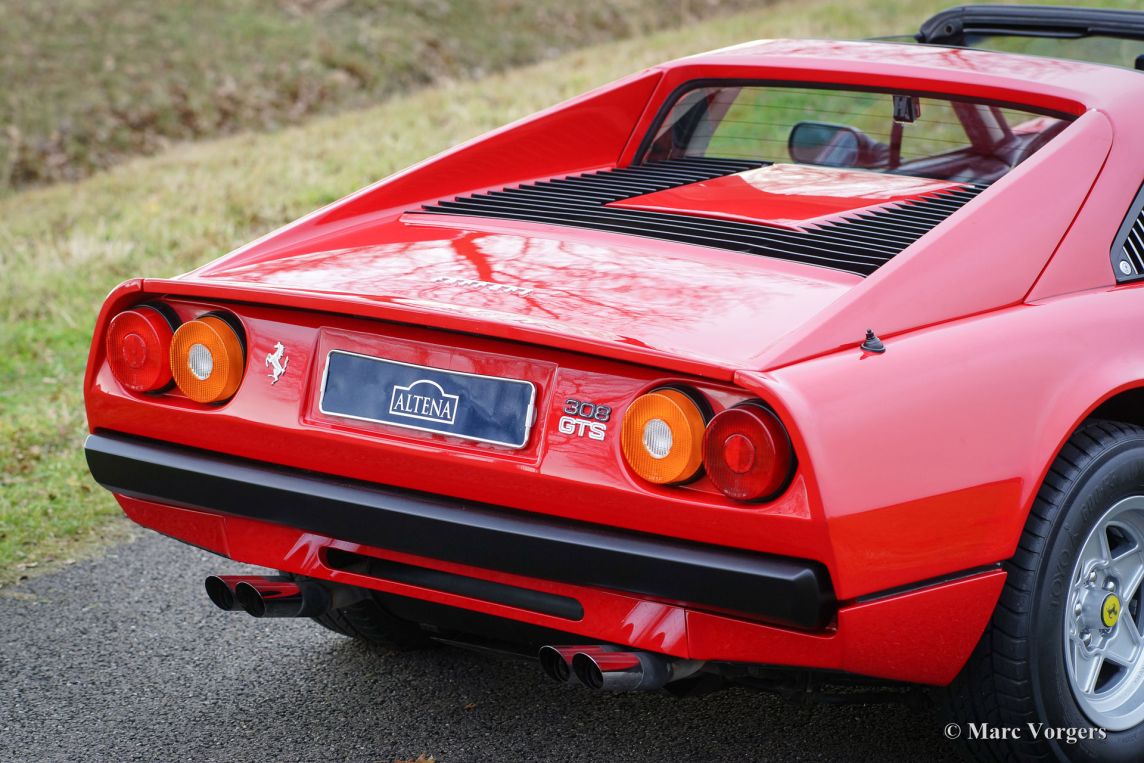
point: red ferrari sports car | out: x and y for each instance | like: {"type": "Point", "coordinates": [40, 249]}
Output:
{"type": "Point", "coordinates": [791, 364]}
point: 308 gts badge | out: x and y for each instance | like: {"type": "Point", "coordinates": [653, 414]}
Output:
{"type": "Point", "coordinates": [585, 419]}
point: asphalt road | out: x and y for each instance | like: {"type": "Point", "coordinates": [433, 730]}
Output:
{"type": "Point", "coordinates": [124, 659]}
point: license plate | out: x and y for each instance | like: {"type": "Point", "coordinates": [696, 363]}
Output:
{"type": "Point", "coordinates": [470, 406]}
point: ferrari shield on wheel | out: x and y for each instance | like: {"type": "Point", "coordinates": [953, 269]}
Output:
{"type": "Point", "coordinates": [1102, 620]}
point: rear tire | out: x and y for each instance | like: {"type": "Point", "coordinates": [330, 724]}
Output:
{"type": "Point", "coordinates": [1023, 670]}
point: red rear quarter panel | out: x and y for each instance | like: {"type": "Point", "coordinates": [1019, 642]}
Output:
{"type": "Point", "coordinates": [927, 458]}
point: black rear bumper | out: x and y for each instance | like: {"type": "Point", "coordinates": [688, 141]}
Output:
{"type": "Point", "coordinates": [777, 589]}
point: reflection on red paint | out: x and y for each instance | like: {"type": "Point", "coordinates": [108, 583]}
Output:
{"type": "Point", "coordinates": [690, 303]}
{"type": "Point", "coordinates": [650, 622]}
{"type": "Point", "coordinates": [789, 195]}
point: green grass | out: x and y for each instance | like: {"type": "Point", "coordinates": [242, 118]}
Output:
{"type": "Point", "coordinates": [88, 83]}
{"type": "Point", "coordinates": [63, 247]}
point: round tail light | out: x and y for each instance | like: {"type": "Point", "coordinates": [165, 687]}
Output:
{"type": "Point", "coordinates": [747, 452]}
{"type": "Point", "coordinates": [662, 437]}
{"type": "Point", "coordinates": [207, 359]}
{"type": "Point", "coordinates": [138, 346]}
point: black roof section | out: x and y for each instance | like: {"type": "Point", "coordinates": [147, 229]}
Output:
{"type": "Point", "coordinates": [954, 25]}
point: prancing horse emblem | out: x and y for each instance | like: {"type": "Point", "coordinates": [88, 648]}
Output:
{"type": "Point", "coordinates": [277, 361]}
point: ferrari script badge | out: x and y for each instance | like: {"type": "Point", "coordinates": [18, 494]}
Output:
{"type": "Point", "coordinates": [277, 361]}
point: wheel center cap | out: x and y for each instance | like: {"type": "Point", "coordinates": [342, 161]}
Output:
{"type": "Point", "coordinates": [1110, 610]}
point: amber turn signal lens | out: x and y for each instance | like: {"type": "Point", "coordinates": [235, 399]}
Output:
{"type": "Point", "coordinates": [747, 452]}
{"type": "Point", "coordinates": [207, 360]}
{"type": "Point", "coordinates": [137, 345]}
{"type": "Point", "coordinates": [662, 437]}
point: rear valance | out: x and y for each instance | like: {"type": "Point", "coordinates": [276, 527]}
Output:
{"type": "Point", "coordinates": [777, 589]}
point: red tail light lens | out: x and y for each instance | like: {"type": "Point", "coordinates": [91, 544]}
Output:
{"type": "Point", "coordinates": [747, 452]}
{"type": "Point", "coordinates": [138, 349]}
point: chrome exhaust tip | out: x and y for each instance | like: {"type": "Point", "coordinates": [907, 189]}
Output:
{"type": "Point", "coordinates": [556, 662]}
{"type": "Point", "coordinates": [281, 598]}
{"type": "Point", "coordinates": [617, 671]}
{"type": "Point", "coordinates": [221, 589]}
{"type": "Point", "coordinates": [608, 669]}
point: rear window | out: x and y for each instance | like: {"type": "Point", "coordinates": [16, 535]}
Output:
{"type": "Point", "coordinates": [886, 132]}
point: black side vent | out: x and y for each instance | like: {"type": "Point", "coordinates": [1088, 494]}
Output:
{"type": "Point", "coordinates": [1128, 246]}
{"type": "Point", "coordinates": [857, 243]}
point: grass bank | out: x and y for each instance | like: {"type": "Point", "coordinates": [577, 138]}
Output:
{"type": "Point", "coordinates": [89, 83]}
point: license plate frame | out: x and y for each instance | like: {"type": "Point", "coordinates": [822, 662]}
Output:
{"type": "Point", "coordinates": [415, 398]}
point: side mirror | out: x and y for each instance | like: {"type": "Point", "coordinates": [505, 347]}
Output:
{"type": "Point", "coordinates": [826, 144]}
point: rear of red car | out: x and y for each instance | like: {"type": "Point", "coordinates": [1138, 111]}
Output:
{"type": "Point", "coordinates": [329, 461]}
{"type": "Point", "coordinates": [546, 400]}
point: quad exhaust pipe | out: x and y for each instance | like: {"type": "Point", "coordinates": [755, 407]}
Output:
{"type": "Point", "coordinates": [612, 668]}
{"type": "Point", "coordinates": [268, 595]}
{"type": "Point", "coordinates": [597, 666]}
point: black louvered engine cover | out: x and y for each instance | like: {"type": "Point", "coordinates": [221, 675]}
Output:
{"type": "Point", "coordinates": [858, 242]}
